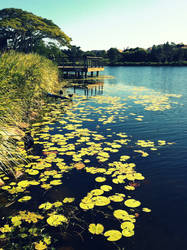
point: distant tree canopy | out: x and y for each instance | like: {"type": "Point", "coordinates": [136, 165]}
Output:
{"type": "Point", "coordinates": [114, 55]}
{"type": "Point", "coordinates": [167, 53]}
{"type": "Point", "coordinates": [21, 30]}
{"type": "Point", "coordinates": [157, 54]}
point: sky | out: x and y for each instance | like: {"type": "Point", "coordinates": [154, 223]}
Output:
{"type": "Point", "coordinates": [104, 24]}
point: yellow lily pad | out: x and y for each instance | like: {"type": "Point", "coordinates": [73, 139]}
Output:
{"type": "Point", "coordinates": [113, 235]}
{"type": "Point", "coordinates": [124, 157]}
{"type": "Point", "coordinates": [56, 220]}
{"type": "Point", "coordinates": [132, 203]}
{"type": "Point", "coordinates": [96, 228]}
{"type": "Point", "coordinates": [100, 179]}
{"type": "Point", "coordinates": [147, 210]}
{"type": "Point", "coordinates": [97, 191]}
{"type": "Point", "coordinates": [127, 225]}
{"type": "Point", "coordinates": [57, 176]}
{"type": "Point", "coordinates": [86, 206]}
{"type": "Point", "coordinates": [101, 200]}
{"type": "Point", "coordinates": [23, 183]}
{"type": "Point", "coordinates": [46, 186]}
{"type": "Point", "coordinates": [6, 229]}
{"type": "Point", "coordinates": [32, 171]}
{"type": "Point", "coordinates": [127, 232]}
{"type": "Point", "coordinates": [79, 165]}
{"type": "Point", "coordinates": [116, 198]}
{"type": "Point", "coordinates": [34, 183]}
{"type": "Point", "coordinates": [128, 187]}
{"type": "Point", "coordinates": [120, 214]}
{"type": "Point", "coordinates": [47, 240]}
{"type": "Point", "coordinates": [117, 181]}
{"type": "Point", "coordinates": [46, 206]}
{"type": "Point", "coordinates": [57, 204]}
{"type": "Point", "coordinates": [68, 200]}
{"type": "Point", "coordinates": [16, 220]}
{"type": "Point", "coordinates": [40, 245]}
{"type": "Point", "coordinates": [106, 188]}
{"type": "Point", "coordinates": [139, 176]}
{"type": "Point", "coordinates": [25, 198]}
{"type": "Point", "coordinates": [55, 182]}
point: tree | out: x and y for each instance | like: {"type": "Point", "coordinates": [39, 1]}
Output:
{"type": "Point", "coordinates": [168, 51]}
{"type": "Point", "coordinates": [51, 51]}
{"type": "Point", "coordinates": [135, 55]}
{"type": "Point", "coordinates": [21, 30]}
{"type": "Point", "coordinates": [114, 55]}
{"type": "Point", "coordinates": [156, 54]}
{"type": "Point", "coordinates": [74, 52]}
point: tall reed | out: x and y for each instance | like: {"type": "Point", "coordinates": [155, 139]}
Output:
{"type": "Point", "coordinates": [24, 79]}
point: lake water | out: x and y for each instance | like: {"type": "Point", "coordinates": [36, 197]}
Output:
{"type": "Point", "coordinates": [141, 114]}
{"type": "Point", "coordinates": [166, 191]}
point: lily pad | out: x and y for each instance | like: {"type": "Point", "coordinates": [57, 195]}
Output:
{"type": "Point", "coordinates": [25, 198]}
{"type": "Point", "coordinates": [96, 228]}
{"type": "Point", "coordinates": [97, 191]}
{"type": "Point", "coordinates": [127, 225]}
{"type": "Point", "coordinates": [46, 206]}
{"type": "Point", "coordinates": [132, 203]}
{"type": "Point", "coordinates": [86, 206]}
{"type": "Point", "coordinates": [113, 235]}
{"type": "Point", "coordinates": [120, 214]}
{"type": "Point", "coordinates": [100, 179]}
{"type": "Point", "coordinates": [147, 210]}
{"type": "Point", "coordinates": [68, 200]}
{"type": "Point", "coordinates": [127, 232]}
{"type": "Point", "coordinates": [101, 200]}
{"type": "Point", "coordinates": [116, 198]}
{"type": "Point", "coordinates": [56, 220]}
{"type": "Point", "coordinates": [106, 188]}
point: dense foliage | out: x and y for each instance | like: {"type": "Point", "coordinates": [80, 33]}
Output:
{"type": "Point", "coordinates": [21, 30]}
{"type": "Point", "coordinates": [157, 54]}
{"type": "Point", "coordinates": [23, 80]}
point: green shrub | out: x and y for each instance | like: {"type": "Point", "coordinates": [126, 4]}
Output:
{"type": "Point", "coordinates": [24, 79]}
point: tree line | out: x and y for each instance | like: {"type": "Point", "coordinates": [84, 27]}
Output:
{"type": "Point", "coordinates": [161, 54]}
{"type": "Point", "coordinates": [168, 53]}
{"type": "Point", "coordinates": [25, 32]}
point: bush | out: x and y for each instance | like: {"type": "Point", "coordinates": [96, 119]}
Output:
{"type": "Point", "coordinates": [24, 78]}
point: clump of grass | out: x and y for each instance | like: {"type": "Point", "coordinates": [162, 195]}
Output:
{"type": "Point", "coordinates": [10, 154]}
{"type": "Point", "coordinates": [24, 79]}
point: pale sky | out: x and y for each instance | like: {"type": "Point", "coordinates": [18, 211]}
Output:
{"type": "Point", "coordinates": [102, 24]}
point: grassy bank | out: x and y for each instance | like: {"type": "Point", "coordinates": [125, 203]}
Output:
{"type": "Point", "coordinates": [24, 80]}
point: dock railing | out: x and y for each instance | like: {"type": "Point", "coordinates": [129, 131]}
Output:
{"type": "Point", "coordinates": [81, 66]}
{"type": "Point", "coordinates": [86, 62]}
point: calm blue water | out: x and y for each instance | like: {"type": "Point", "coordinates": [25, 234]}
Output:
{"type": "Point", "coordinates": [132, 92]}
{"type": "Point", "coordinates": [165, 189]}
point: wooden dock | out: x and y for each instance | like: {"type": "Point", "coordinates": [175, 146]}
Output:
{"type": "Point", "coordinates": [81, 69]}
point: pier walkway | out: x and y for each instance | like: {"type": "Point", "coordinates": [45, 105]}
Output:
{"type": "Point", "coordinates": [81, 68]}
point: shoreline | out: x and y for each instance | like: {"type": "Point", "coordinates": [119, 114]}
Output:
{"type": "Point", "coordinates": [149, 64]}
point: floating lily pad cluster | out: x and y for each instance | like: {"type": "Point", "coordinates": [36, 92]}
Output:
{"type": "Point", "coordinates": [81, 137]}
